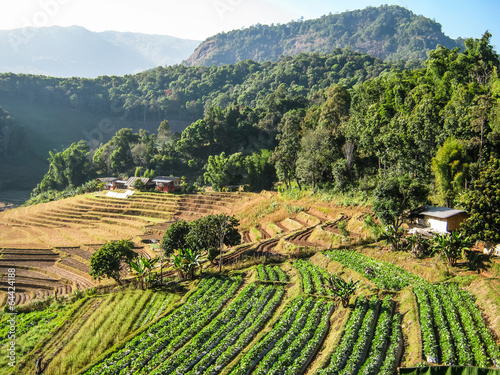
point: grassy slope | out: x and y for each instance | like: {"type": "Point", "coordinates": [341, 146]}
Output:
{"type": "Point", "coordinates": [91, 327]}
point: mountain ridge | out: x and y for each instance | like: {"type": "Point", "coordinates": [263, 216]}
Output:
{"type": "Point", "coordinates": [76, 51]}
{"type": "Point", "coordinates": [387, 32]}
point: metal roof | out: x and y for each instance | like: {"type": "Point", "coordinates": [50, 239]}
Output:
{"type": "Point", "coordinates": [440, 212]}
{"type": "Point", "coordinates": [165, 179]}
{"type": "Point", "coordinates": [131, 180]}
{"type": "Point", "coordinates": [107, 179]}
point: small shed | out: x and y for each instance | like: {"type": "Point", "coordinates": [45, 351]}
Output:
{"type": "Point", "coordinates": [168, 184]}
{"type": "Point", "coordinates": [440, 219]}
{"type": "Point", "coordinates": [109, 181]}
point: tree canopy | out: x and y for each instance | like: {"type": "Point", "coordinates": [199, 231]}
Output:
{"type": "Point", "coordinates": [482, 202]}
{"type": "Point", "coordinates": [109, 259]}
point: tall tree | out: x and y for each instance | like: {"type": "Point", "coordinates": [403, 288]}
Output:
{"type": "Point", "coordinates": [175, 237]}
{"type": "Point", "coordinates": [395, 195]}
{"type": "Point", "coordinates": [285, 155]}
{"type": "Point", "coordinates": [222, 170]}
{"type": "Point", "coordinates": [482, 203]}
{"type": "Point", "coordinates": [451, 170]}
{"type": "Point", "coordinates": [108, 260]}
{"type": "Point", "coordinates": [316, 156]}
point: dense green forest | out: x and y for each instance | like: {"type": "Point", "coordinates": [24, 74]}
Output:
{"type": "Point", "coordinates": [58, 111]}
{"type": "Point", "coordinates": [438, 125]}
{"type": "Point", "coordinates": [388, 32]}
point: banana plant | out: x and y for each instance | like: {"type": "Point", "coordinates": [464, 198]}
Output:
{"type": "Point", "coordinates": [343, 289]}
{"type": "Point", "coordinates": [451, 246]}
{"type": "Point", "coordinates": [143, 268]}
{"type": "Point", "coordinates": [186, 261]}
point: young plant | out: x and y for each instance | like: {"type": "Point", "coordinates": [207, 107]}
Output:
{"type": "Point", "coordinates": [451, 246]}
{"type": "Point", "coordinates": [343, 289]}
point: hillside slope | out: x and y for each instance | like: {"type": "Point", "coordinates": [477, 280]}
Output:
{"type": "Point", "coordinates": [76, 51]}
{"type": "Point", "coordinates": [387, 32]}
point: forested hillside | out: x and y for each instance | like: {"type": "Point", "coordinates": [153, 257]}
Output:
{"type": "Point", "coordinates": [387, 32]}
{"type": "Point", "coordinates": [436, 126]}
{"type": "Point", "coordinates": [58, 111]}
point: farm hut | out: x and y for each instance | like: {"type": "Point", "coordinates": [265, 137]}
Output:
{"type": "Point", "coordinates": [148, 184]}
{"type": "Point", "coordinates": [168, 184]}
{"type": "Point", "coordinates": [118, 184]}
{"type": "Point", "coordinates": [439, 219]}
{"type": "Point", "coordinates": [108, 181]}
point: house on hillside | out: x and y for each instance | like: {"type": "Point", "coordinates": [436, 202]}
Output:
{"type": "Point", "coordinates": [438, 219]}
{"type": "Point", "coordinates": [148, 184]}
{"type": "Point", "coordinates": [168, 184]}
{"type": "Point", "coordinates": [112, 183]}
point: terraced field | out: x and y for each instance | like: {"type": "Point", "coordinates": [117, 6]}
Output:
{"type": "Point", "coordinates": [68, 337]}
{"type": "Point", "coordinates": [50, 245]}
{"type": "Point", "coordinates": [286, 322]}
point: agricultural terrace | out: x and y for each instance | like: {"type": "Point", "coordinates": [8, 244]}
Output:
{"type": "Point", "coordinates": [50, 244]}
{"type": "Point", "coordinates": [274, 309]}
{"type": "Point", "coordinates": [279, 317]}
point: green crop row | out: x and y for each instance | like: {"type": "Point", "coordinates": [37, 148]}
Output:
{"type": "Point", "coordinates": [235, 342]}
{"type": "Point", "coordinates": [384, 275]}
{"type": "Point", "coordinates": [259, 350]}
{"type": "Point", "coordinates": [226, 328]}
{"type": "Point", "coordinates": [270, 273]}
{"type": "Point", "coordinates": [314, 278]}
{"type": "Point", "coordinates": [173, 329]}
{"type": "Point", "coordinates": [343, 351]}
{"type": "Point", "coordinates": [380, 340]}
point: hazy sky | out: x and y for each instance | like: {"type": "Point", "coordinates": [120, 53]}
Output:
{"type": "Point", "coordinates": [199, 19]}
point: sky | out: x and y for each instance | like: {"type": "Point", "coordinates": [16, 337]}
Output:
{"type": "Point", "coordinates": [200, 19]}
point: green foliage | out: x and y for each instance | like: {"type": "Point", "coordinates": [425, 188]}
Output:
{"type": "Point", "coordinates": [107, 261]}
{"type": "Point", "coordinates": [343, 289]}
{"type": "Point", "coordinates": [394, 196]}
{"type": "Point", "coordinates": [52, 195]}
{"type": "Point", "coordinates": [175, 237]}
{"type": "Point", "coordinates": [143, 267]}
{"type": "Point", "coordinates": [68, 168]}
{"type": "Point", "coordinates": [451, 246]}
{"type": "Point", "coordinates": [392, 236]}
{"type": "Point", "coordinates": [186, 262]}
{"type": "Point", "coordinates": [482, 203]}
{"type": "Point", "coordinates": [207, 233]}
{"type": "Point", "coordinates": [260, 171]}
{"type": "Point", "coordinates": [285, 155]}
{"type": "Point", "coordinates": [451, 170]}
{"type": "Point", "coordinates": [222, 170]}
{"type": "Point", "coordinates": [213, 231]}
{"type": "Point", "coordinates": [316, 155]}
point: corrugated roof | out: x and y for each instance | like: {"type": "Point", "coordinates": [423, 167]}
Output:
{"type": "Point", "coordinates": [440, 212]}
{"type": "Point", "coordinates": [107, 179]}
{"type": "Point", "coordinates": [165, 179]}
{"type": "Point", "coordinates": [131, 180]}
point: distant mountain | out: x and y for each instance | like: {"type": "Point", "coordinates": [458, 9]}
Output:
{"type": "Point", "coordinates": [76, 51]}
{"type": "Point", "coordinates": [387, 32]}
